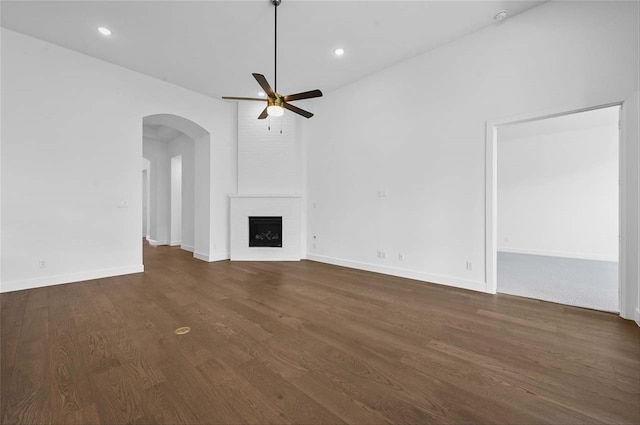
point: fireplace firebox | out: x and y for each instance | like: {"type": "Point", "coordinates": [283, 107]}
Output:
{"type": "Point", "coordinates": [265, 232]}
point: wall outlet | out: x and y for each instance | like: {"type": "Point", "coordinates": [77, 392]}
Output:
{"type": "Point", "coordinates": [123, 204]}
{"type": "Point", "coordinates": [469, 265]}
{"type": "Point", "coordinates": [400, 257]}
{"type": "Point", "coordinates": [42, 264]}
{"type": "Point", "coordinates": [382, 254]}
{"type": "Point", "coordinates": [314, 245]}
{"type": "Point", "coordinates": [506, 239]}
{"type": "Point", "coordinates": [382, 193]}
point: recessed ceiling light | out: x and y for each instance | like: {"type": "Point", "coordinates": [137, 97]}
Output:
{"type": "Point", "coordinates": [261, 94]}
{"type": "Point", "coordinates": [104, 31]}
{"type": "Point", "coordinates": [339, 51]}
{"type": "Point", "coordinates": [501, 15]}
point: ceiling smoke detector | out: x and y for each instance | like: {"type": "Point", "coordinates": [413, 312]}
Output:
{"type": "Point", "coordinates": [501, 15]}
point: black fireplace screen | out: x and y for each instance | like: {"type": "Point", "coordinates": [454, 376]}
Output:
{"type": "Point", "coordinates": [265, 231]}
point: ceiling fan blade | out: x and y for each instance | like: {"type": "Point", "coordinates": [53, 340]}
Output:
{"type": "Point", "coordinates": [297, 110]}
{"type": "Point", "coordinates": [303, 95]}
{"type": "Point", "coordinates": [263, 114]}
{"type": "Point", "coordinates": [263, 83]}
{"type": "Point", "coordinates": [263, 99]}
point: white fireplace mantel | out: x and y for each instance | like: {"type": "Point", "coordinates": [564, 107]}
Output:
{"type": "Point", "coordinates": [286, 206]}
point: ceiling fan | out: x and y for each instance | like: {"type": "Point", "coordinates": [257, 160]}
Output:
{"type": "Point", "coordinates": [277, 103]}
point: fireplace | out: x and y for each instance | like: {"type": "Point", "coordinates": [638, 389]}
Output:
{"type": "Point", "coordinates": [265, 232]}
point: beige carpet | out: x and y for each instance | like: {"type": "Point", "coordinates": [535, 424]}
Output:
{"type": "Point", "coordinates": [582, 283]}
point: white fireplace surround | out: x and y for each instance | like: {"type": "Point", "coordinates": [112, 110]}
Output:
{"type": "Point", "coordinates": [286, 206]}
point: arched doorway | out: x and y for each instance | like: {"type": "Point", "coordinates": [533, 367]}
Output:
{"type": "Point", "coordinates": [167, 140]}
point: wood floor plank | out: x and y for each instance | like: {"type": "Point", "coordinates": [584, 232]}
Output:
{"type": "Point", "coordinates": [339, 401]}
{"type": "Point", "coordinates": [199, 394]}
{"type": "Point", "coordinates": [165, 405]}
{"type": "Point", "coordinates": [98, 351]}
{"type": "Point", "coordinates": [88, 415]}
{"type": "Point", "coordinates": [141, 369]}
{"type": "Point", "coordinates": [117, 400]}
{"type": "Point", "coordinates": [297, 407]}
{"type": "Point", "coordinates": [13, 307]}
{"type": "Point", "coordinates": [305, 342]}
{"type": "Point", "coordinates": [495, 386]}
{"type": "Point", "coordinates": [71, 390]}
{"type": "Point", "coordinates": [28, 394]}
{"type": "Point", "coordinates": [241, 396]}
{"type": "Point", "coordinates": [538, 385]}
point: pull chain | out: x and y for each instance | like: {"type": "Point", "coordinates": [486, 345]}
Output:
{"type": "Point", "coordinates": [269, 124]}
{"type": "Point", "coordinates": [281, 119]}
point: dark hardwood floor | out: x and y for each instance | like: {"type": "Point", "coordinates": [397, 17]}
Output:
{"type": "Point", "coordinates": [306, 343]}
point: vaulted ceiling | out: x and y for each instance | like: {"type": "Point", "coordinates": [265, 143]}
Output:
{"type": "Point", "coordinates": [212, 47]}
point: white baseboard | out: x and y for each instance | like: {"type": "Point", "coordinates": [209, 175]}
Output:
{"type": "Point", "coordinates": [174, 243]}
{"type": "Point", "coordinates": [201, 256]}
{"type": "Point", "coordinates": [18, 285]}
{"type": "Point", "coordinates": [210, 258]}
{"type": "Point", "coordinates": [577, 255]}
{"type": "Point", "coordinates": [637, 319]}
{"type": "Point", "coordinates": [157, 243]}
{"type": "Point", "coordinates": [265, 259]}
{"type": "Point", "coordinates": [213, 258]}
{"type": "Point", "coordinates": [473, 285]}
{"type": "Point", "coordinates": [187, 248]}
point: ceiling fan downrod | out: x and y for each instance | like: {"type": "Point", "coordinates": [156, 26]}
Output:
{"type": "Point", "coordinates": [275, 3]}
{"type": "Point", "coordinates": [276, 103]}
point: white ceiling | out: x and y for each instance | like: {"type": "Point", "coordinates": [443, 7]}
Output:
{"type": "Point", "coordinates": [161, 133]}
{"type": "Point", "coordinates": [212, 47]}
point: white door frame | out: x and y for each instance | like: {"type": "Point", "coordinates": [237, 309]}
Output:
{"type": "Point", "coordinates": [491, 189]}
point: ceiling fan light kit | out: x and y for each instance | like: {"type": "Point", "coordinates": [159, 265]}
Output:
{"type": "Point", "coordinates": [274, 107]}
{"type": "Point", "coordinates": [277, 103]}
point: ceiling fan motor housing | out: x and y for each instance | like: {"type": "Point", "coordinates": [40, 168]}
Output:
{"type": "Point", "coordinates": [275, 101]}
{"type": "Point", "coordinates": [276, 2]}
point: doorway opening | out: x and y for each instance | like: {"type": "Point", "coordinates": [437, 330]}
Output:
{"type": "Point", "coordinates": [557, 208]}
{"type": "Point", "coordinates": [176, 159]}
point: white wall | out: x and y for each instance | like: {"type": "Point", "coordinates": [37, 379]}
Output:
{"type": "Point", "coordinates": [71, 145]}
{"type": "Point", "coordinates": [176, 200]}
{"type": "Point", "coordinates": [558, 192]}
{"type": "Point", "coordinates": [159, 190]}
{"type": "Point", "coordinates": [146, 171]}
{"type": "Point", "coordinates": [184, 146]}
{"type": "Point", "coordinates": [269, 162]}
{"type": "Point", "coordinates": [417, 131]}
